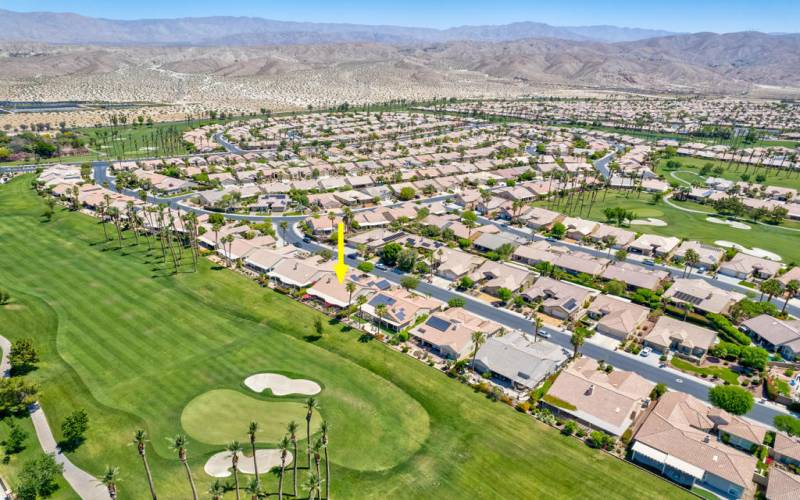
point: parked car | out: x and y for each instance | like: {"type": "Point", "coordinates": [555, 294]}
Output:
{"type": "Point", "coordinates": [380, 266]}
{"type": "Point", "coordinates": [649, 262]}
{"type": "Point", "coordinates": [646, 352]}
{"type": "Point", "coordinates": [544, 334]}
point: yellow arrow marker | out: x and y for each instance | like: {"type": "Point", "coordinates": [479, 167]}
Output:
{"type": "Point", "coordinates": [341, 267]}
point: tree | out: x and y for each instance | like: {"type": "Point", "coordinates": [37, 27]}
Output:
{"type": "Point", "coordinates": [217, 490]}
{"type": "Point", "coordinates": [366, 266]}
{"type": "Point", "coordinates": [311, 405]}
{"type": "Point", "coordinates": [251, 433]}
{"type": "Point", "coordinates": [504, 294]}
{"type": "Point", "coordinates": [140, 441]}
{"type": "Point", "coordinates": [319, 328]}
{"type": "Point", "coordinates": [409, 282]}
{"type": "Point", "coordinates": [324, 427]}
{"type": "Point", "coordinates": [109, 480]}
{"type": "Point", "coordinates": [390, 253]}
{"type": "Point", "coordinates": [465, 283]}
{"type": "Point", "coordinates": [731, 398]}
{"type": "Point", "coordinates": [576, 340]}
{"type": "Point", "coordinates": [538, 323]}
{"type": "Point", "coordinates": [791, 290]}
{"type": "Point", "coordinates": [38, 477]}
{"type": "Point", "coordinates": [16, 395]}
{"type": "Point", "coordinates": [478, 339]}
{"type": "Point", "coordinates": [178, 445]}
{"type": "Point", "coordinates": [690, 259]}
{"type": "Point", "coordinates": [22, 356]}
{"type": "Point", "coordinates": [17, 436]}
{"type": "Point", "coordinates": [621, 254]}
{"type": "Point", "coordinates": [406, 194]}
{"type": "Point", "coordinates": [74, 428]}
{"type": "Point", "coordinates": [5, 297]}
{"type": "Point", "coordinates": [292, 430]}
{"type": "Point", "coordinates": [312, 485]}
{"type": "Point", "coordinates": [771, 288]}
{"type": "Point", "coordinates": [658, 391]}
{"type": "Point", "coordinates": [558, 230]}
{"type": "Point", "coordinates": [254, 489]}
{"type": "Point", "coordinates": [283, 447]}
{"type": "Point", "coordinates": [235, 449]}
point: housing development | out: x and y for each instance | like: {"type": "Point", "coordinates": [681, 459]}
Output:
{"type": "Point", "coordinates": [496, 296]}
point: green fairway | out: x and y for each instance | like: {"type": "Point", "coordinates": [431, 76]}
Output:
{"type": "Point", "coordinates": [734, 172]}
{"type": "Point", "coordinates": [136, 347]}
{"type": "Point", "coordinates": [688, 225]}
{"type": "Point", "coordinates": [232, 412]}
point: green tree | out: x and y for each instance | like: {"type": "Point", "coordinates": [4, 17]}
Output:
{"type": "Point", "coordinates": [16, 395]}
{"type": "Point", "coordinates": [17, 436]}
{"type": "Point", "coordinates": [38, 477]}
{"type": "Point", "coordinates": [319, 328]}
{"type": "Point", "coordinates": [252, 429]}
{"type": "Point", "coordinates": [235, 449]}
{"type": "Point", "coordinates": [690, 259]}
{"type": "Point", "coordinates": [406, 194]}
{"type": "Point", "coordinates": [791, 290]}
{"type": "Point", "coordinates": [478, 339]}
{"type": "Point", "coordinates": [558, 230]}
{"type": "Point", "coordinates": [409, 282]}
{"type": "Point", "coordinates": [504, 294]}
{"type": "Point", "coordinates": [292, 430]}
{"type": "Point", "coordinates": [311, 405]}
{"type": "Point", "coordinates": [74, 427]}
{"type": "Point", "coordinates": [658, 391]}
{"type": "Point", "coordinates": [366, 266]}
{"type": "Point", "coordinates": [109, 480]}
{"type": "Point", "coordinates": [178, 445]}
{"type": "Point", "coordinates": [771, 288]}
{"type": "Point", "coordinates": [465, 283]}
{"type": "Point", "coordinates": [576, 340]}
{"type": "Point", "coordinates": [283, 448]}
{"type": "Point", "coordinates": [731, 398]}
{"type": "Point", "coordinates": [22, 356]}
{"type": "Point", "coordinates": [140, 441]}
{"type": "Point", "coordinates": [390, 253]}
{"type": "Point", "coordinates": [456, 302]}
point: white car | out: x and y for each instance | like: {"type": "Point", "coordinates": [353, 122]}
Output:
{"type": "Point", "coordinates": [544, 334]}
{"type": "Point", "coordinates": [645, 352]}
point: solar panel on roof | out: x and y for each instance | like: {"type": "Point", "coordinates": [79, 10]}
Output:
{"type": "Point", "coordinates": [383, 285]}
{"type": "Point", "coordinates": [381, 299]}
{"type": "Point", "coordinates": [688, 298]}
{"type": "Point", "coordinates": [438, 323]}
{"type": "Point", "coordinates": [570, 304]}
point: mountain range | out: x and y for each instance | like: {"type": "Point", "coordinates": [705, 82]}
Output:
{"type": "Point", "coordinates": [76, 29]}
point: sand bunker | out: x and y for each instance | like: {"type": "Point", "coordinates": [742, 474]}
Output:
{"type": "Point", "coordinates": [650, 221]}
{"type": "Point", "coordinates": [731, 223]}
{"type": "Point", "coordinates": [755, 252]}
{"type": "Point", "coordinates": [219, 465]}
{"type": "Point", "coordinates": [281, 385]}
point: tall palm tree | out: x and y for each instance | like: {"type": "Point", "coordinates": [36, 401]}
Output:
{"type": "Point", "coordinates": [771, 287]}
{"type": "Point", "coordinates": [312, 485]}
{"type": "Point", "coordinates": [792, 288]}
{"type": "Point", "coordinates": [109, 480]}
{"type": "Point", "coordinates": [317, 449]}
{"type": "Point", "coordinates": [311, 405]}
{"type": "Point", "coordinates": [478, 338]}
{"type": "Point", "coordinates": [217, 490]}
{"type": "Point", "coordinates": [251, 432]}
{"type": "Point", "coordinates": [380, 310]}
{"type": "Point", "coordinates": [283, 446]}
{"type": "Point", "coordinates": [324, 427]}
{"type": "Point", "coordinates": [235, 449]}
{"type": "Point", "coordinates": [350, 287]}
{"type": "Point", "coordinates": [360, 301]}
{"type": "Point", "coordinates": [292, 429]}
{"type": "Point", "coordinates": [577, 341]}
{"type": "Point", "coordinates": [140, 441]}
{"type": "Point", "coordinates": [690, 259]}
{"type": "Point", "coordinates": [179, 443]}
{"type": "Point", "coordinates": [537, 324]}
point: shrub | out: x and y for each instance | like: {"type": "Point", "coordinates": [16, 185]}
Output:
{"type": "Point", "coordinates": [732, 399]}
{"type": "Point", "coordinates": [598, 439]}
{"type": "Point", "coordinates": [627, 435]}
{"type": "Point", "coordinates": [5, 297]}
{"type": "Point", "coordinates": [570, 427]}
{"type": "Point", "coordinates": [787, 424]}
{"type": "Point", "coordinates": [523, 407]}
{"type": "Point", "coordinates": [658, 391]}
{"type": "Point", "coordinates": [366, 267]}
{"type": "Point", "coordinates": [727, 331]}
{"type": "Point", "coordinates": [456, 302]}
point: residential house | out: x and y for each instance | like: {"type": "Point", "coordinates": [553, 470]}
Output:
{"type": "Point", "coordinates": [449, 333]}
{"type": "Point", "coordinates": [691, 340]}
{"type": "Point", "coordinates": [743, 266]}
{"type": "Point", "coordinates": [635, 276]}
{"type": "Point", "coordinates": [616, 317]}
{"type": "Point", "coordinates": [782, 485]}
{"type": "Point", "coordinates": [488, 242]}
{"type": "Point", "coordinates": [494, 275]}
{"type": "Point", "coordinates": [709, 256]}
{"type": "Point", "coordinates": [518, 360]}
{"type": "Point", "coordinates": [578, 228]}
{"type": "Point", "coordinates": [786, 449]}
{"type": "Point", "coordinates": [541, 219]}
{"type": "Point", "coordinates": [403, 307]}
{"type": "Point", "coordinates": [298, 273]}
{"type": "Point", "coordinates": [609, 402]}
{"type": "Point", "coordinates": [701, 295]}
{"type": "Point", "coordinates": [781, 335]}
{"type": "Point", "coordinates": [455, 264]}
{"type": "Point", "coordinates": [559, 299]}
{"type": "Point", "coordinates": [654, 245]}
{"type": "Point", "coordinates": [605, 233]}
{"type": "Point", "coordinates": [331, 293]}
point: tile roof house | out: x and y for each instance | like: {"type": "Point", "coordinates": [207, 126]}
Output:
{"type": "Point", "coordinates": [709, 255]}
{"type": "Point", "coordinates": [541, 218]}
{"type": "Point", "coordinates": [635, 276]}
{"type": "Point", "coordinates": [675, 441]}
{"type": "Point", "coordinates": [578, 228]}
{"type": "Point", "coordinates": [790, 275]}
{"type": "Point", "coordinates": [743, 266]}
{"type": "Point", "coordinates": [298, 273]}
{"type": "Point", "coordinates": [606, 401]}
{"type": "Point", "coordinates": [616, 317]}
{"type": "Point", "coordinates": [654, 245]}
{"type": "Point", "coordinates": [605, 233]}
{"type": "Point", "coordinates": [702, 295]}
{"type": "Point", "coordinates": [515, 358]}
{"type": "Point", "coordinates": [331, 293]}
{"type": "Point", "coordinates": [491, 276]}
{"type": "Point", "coordinates": [455, 264]}
{"type": "Point", "coordinates": [559, 299]}
{"type": "Point", "coordinates": [449, 333]}
{"type": "Point", "coordinates": [402, 308]}
{"type": "Point", "coordinates": [783, 485]}
{"type": "Point", "coordinates": [775, 334]}
{"type": "Point", "coordinates": [669, 333]}
{"type": "Point", "coordinates": [786, 449]}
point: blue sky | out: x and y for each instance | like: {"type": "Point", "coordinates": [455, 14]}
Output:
{"type": "Point", "coordinates": [674, 15]}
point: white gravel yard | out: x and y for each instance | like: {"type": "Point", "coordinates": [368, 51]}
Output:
{"type": "Point", "coordinates": [281, 385]}
{"type": "Point", "coordinates": [219, 465]}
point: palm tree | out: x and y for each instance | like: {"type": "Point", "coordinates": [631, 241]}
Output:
{"type": "Point", "coordinates": [283, 446]}
{"type": "Point", "coordinates": [311, 405]}
{"type": "Point", "coordinates": [478, 338]}
{"type": "Point", "coordinates": [687, 308]}
{"type": "Point", "coordinates": [350, 287]}
{"type": "Point", "coordinates": [292, 428]}
{"type": "Point", "coordinates": [140, 440]}
{"type": "Point", "coordinates": [577, 341]}
{"type": "Point", "coordinates": [251, 431]}
{"type": "Point", "coordinates": [537, 324]}
{"type": "Point", "coordinates": [217, 490]}
{"type": "Point", "coordinates": [360, 301]}
{"type": "Point", "coordinates": [690, 259]}
{"type": "Point", "coordinates": [179, 443]}
{"type": "Point", "coordinates": [317, 448]}
{"type": "Point", "coordinates": [324, 427]}
{"type": "Point", "coordinates": [771, 287]}
{"type": "Point", "coordinates": [283, 226]}
{"type": "Point", "coordinates": [380, 310]}
{"type": "Point", "coordinates": [235, 448]}
{"type": "Point", "coordinates": [312, 485]}
{"type": "Point", "coordinates": [109, 480]}
{"type": "Point", "coordinates": [254, 489]}
{"type": "Point", "coordinates": [792, 288]}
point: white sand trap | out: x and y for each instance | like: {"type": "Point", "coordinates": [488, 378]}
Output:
{"type": "Point", "coordinates": [280, 385]}
{"type": "Point", "coordinates": [650, 221]}
{"type": "Point", "coordinates": [219, 465]}
{"type": "Point", "coordinates": [755, 252]}
{"type": "Point", "coordinates": [732, 223]}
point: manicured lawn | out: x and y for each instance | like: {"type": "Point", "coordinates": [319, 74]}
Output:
{"type": "Point", "coordinates": [733, 173]}
{"type": "Point", "coordinates": [725, 374]}
{"type": "Point", "coordinates": [134, 346]}
{"type": "Point", "coordinates": [687, 225]}
{"type": "Point", "coordinates": [233, 411]}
